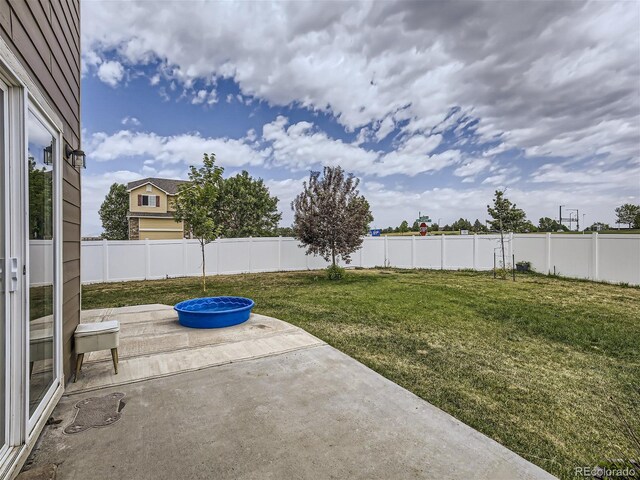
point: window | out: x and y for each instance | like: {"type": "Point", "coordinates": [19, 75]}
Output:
{"type": "Point", "coordinates": [148, 200]}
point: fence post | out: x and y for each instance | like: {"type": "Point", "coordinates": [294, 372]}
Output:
{"type": "Point", "coordinates": [280, 253]}
{"type": "Point", "coordinates": [386, 251]}
{"type": "Point", "coordinates": [594, 256]}
{"type": "Point", "coordinates": [184, 257]}
{"type": "Point", "coordinates": [475, 251]}
{"type": "Point", "coordinates": [413, 251]}
{"type": "Point", "coordinates": [217, 243]}
{"type": "Point", "coordinates": [361, 248]}
{"type": "Point", "coordinates": [105, 260]}
{"type": "Point", "coordinates": [249, 255]}
{"type": "Point", "coordinates": [548, 253]}
{"type": "Point", "coordinates": [511, 255]}
{"type": "Point", "coordinates": [442, 252]}
{"type": "Point", "coordinates": [147, 259]}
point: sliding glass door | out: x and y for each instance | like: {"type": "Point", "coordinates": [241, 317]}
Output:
{"type": "Point", "coordinates": [41, 161]}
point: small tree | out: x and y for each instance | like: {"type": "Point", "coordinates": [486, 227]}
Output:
{"type": "Point", "coordinates": [627, 213]}
{"type": "Point", "coordinates": [113, 213]}
{"type": "Point", "coordinates": [506, 218]}
{"type": "Point", "coordinates": [195, 204]}
{"type": "Point", "coordinates": [245, 208]}
{"type": "Point", "coordinates": [330, 215]}
{"type": "Point", "coordinates": [404, 227]}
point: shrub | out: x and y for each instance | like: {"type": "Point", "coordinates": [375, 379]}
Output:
{"type": "Point", "coordinates": [334, 272]}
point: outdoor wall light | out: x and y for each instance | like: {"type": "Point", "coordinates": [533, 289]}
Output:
{"type": "Point", "coordinates": [47, 155]}
{"type": "Point", "coordinates": [77, 157]}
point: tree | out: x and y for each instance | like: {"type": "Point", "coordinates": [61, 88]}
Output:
{"type": "Point", "coordinates": [627, 213]}
{"type": "Point", "coordinates": [506, 218]}
{"type": "Point", "coordinates": [245, 208]}
{"type": "Point", "coordinates": [196, 202]}
{"type": "Point", "coordinates": [40, 202]}
{"type": "Point", "coordinates": [478, 227]}
{"type": "Point", "coordinates": [113, 213]}
{"type": "Point", "coordinates": [415, 227]}
{"type": "Point", "coordinates": [461, 224]}
{"type": "Point", "coordinates": [434, 227]}
{"type": "Point", "coordinates": [330, 215]}
{"type": "Point", "coordinates": [599, 226]}
{"type": "Point", "coordinates": [285, 232]}
{"type": "Point", "coordinates": [546, 224]}
{"type": "Point", "coordinates": [404, 227]}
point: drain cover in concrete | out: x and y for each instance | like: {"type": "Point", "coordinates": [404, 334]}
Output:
{"type": "Point", "coordinates": [96, 412]}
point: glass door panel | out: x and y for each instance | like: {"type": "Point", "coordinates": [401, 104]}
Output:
{"type": "Point", "coordinates": [41, 156]}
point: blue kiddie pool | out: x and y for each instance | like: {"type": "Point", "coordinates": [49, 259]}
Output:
{"type": "Point", "coordinates": [214, 312]}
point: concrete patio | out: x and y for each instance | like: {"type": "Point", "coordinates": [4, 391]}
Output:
{"type": "Point", "coordinates": [263, 399]}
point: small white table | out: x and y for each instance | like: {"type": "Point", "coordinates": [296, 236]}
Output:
{"type": "Point", "coordinates": [91, 337]}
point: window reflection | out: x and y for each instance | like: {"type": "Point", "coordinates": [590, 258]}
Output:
{"type": "Point", "coordinates": [41, 155]}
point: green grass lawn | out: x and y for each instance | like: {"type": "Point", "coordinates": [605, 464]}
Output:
{"type": "Point", "coordinates": [548, 367]}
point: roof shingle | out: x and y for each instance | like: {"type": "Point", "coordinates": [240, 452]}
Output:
{"type": "Point", "coordinates": [169, 185]}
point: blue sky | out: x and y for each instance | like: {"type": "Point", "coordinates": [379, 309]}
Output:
{"type": "Point", "coordinates": [433, 105]}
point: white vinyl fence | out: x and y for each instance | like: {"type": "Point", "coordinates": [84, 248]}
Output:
{"type": "Point", "coordinates": [611, 258]}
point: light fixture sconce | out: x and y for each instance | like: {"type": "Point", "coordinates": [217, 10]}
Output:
{"type": "Point", "coordinates": [47, 155]}
{"type": "Point", "coordinates": [76, 157]}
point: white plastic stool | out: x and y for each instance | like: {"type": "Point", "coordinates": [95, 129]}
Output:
{"type": "Point", "coordinates": [91, 337]}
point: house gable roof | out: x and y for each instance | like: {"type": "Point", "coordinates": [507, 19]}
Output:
{"type": "Point", "coordinates": [167, 185]}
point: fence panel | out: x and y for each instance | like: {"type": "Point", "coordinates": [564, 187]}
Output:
{"type": "Point", "coordinates": [612, 258]}
{"type": "Point", "coordinates": [571, 255]}
{"type": "Point", "coordinates": [618, 259]}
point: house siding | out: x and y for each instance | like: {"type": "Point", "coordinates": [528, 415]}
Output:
{"type": "Point", "coordinates": [142, 190]}
{"type": "Point", "coordinates": [45, 36]}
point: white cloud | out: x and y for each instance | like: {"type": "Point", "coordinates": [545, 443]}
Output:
{"type": "Point", "coordinates": [472, 167]}
{"type": "Point", "coordinates": [164, 151]}
{"type": "Point", "coordinates": [111, 72]}
{"type": "Point", "coordinates": [131, 121]}
{"type": "Point", "coordinates": [537, 73]}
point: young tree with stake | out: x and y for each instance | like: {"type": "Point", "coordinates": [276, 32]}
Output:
{"type": "Point", "coordinates": [330, 215]}
{"type": "Point", "coordinates": [196, 202]}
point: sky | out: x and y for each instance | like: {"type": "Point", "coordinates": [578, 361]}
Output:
{"type": "Point", "coordinates": [432, 105]}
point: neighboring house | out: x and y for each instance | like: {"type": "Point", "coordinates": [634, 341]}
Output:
{"type": "Point", "coordinates": [151, 207]}
{"type": "Point", "coordinates": [40, 166]}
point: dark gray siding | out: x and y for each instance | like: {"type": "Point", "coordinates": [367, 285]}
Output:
{"type": "Point", "coordinates": [45, 36]}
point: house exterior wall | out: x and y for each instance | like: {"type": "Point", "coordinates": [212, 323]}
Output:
{"type": "Point", "coordinates": [45, 36]}
{"type": "Point", "coordinates": [160, 223]}
{"type": "Point", "coordinates": [154, 235]}
{"type": "Point", "coordinates": [142, 190]}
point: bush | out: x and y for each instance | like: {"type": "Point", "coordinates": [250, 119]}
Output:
{"type": "Point", "coordinates": [334, 272]}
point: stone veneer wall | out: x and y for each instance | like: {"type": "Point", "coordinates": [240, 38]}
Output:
{"type": "Point", "coordinates": [134, 229]}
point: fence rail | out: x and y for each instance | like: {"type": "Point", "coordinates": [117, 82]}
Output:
{"type": "Point", "coordinates": [611, 258]}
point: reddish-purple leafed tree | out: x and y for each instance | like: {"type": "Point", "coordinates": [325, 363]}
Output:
{"type": "Point", "coordinates": [331, 216]}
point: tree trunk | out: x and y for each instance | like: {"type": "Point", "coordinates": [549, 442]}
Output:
{"type": "Point", "coordinates": [204, 278]}
{"type": "Point", "coordinates": [333, 255]}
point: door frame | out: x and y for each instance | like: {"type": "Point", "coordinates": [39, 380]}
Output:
{"type": "Point", "coordinates": [21, 431]}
